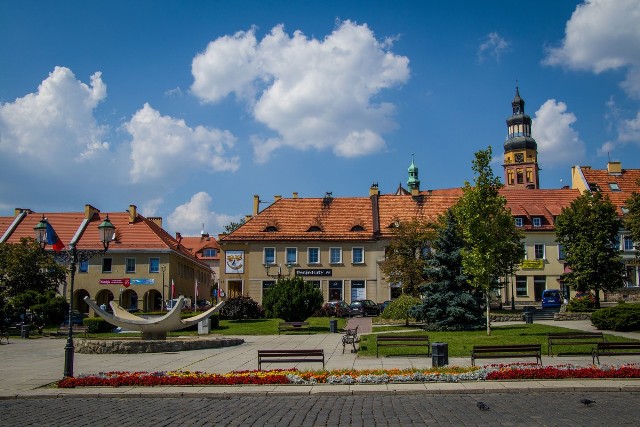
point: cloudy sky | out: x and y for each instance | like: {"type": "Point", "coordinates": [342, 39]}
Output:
{"type": "Point", "coordinates": [188, 109]}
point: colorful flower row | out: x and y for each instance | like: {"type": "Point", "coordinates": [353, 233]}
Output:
{"type": "Point", "coordinates": [293, 376]}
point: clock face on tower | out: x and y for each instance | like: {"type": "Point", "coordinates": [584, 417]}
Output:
{"type": "Point", "coordinates": [519, 158]}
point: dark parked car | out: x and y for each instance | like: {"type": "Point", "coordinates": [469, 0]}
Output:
{"type": "Point", "coordinates": [384, 305]}
{"type": "Point", "coordinates": [338, 308]}
{"type": "Point", "coordinates": [551, 298]}
{"type": "Point", "coordinates": [76, 318]}
{"type": "Point", "coordinates": [364, 307]}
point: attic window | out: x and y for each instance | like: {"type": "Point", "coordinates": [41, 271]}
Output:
{"type": "Point", "coordinates": [537, 221]}
{"type": "Point", "coordinates": [314, 228]}
{"type": "Point", "coordinates": [271, 228]}
{"type": "Point", "coordinates": [357, 228]}
{"type": "Point", "coordinates": [614, 186]}
{"type": "Point", "coordinates": [593, 187]}
{"type": "Point", "coordinates": [519, 221]}
{"type": "Point", "coordinates": [395, 224]}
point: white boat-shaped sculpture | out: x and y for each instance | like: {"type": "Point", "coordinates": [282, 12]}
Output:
{"type": "Point", "coordinates": [155, 328]}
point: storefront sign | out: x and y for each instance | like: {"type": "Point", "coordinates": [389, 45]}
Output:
{"type": "Point", "coordinates": [534, 264]}
{"type": "Point", "coordinates": [142, 281]}
{"type": "Point", "coordinates": [635, 261]}
{"type": "Point", "coordinates": [118, 282]}
{"type": "Point", "coordinates": [314, 272]}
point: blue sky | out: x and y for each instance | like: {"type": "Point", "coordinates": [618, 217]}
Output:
{"type": "Point", "coordinates": [189, 108]}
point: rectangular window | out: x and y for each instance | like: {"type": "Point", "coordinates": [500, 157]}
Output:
{"type": "Point", "coordinates": [616, 242]}
{"type": "Point", "coordinates": [269, 256]}
{"type": "Point", "coordinates": [628, 243]}
{"type": "Point", "coordinates": [519, 221]}
{"type": "Point", "coordinates": [358, 290]}
{"type": "Point", "coordinates": [614, 186]}
{"type": "Point", "coordinates": [539, 251]}
{"type": "Point", "coordinates": [106, 265]}
{"type": "Point", "coordinates": [357, 255]}
{"type": "Point", "coordinates": [313, 256]}
{"type": "Point", "coordinates": [335, 255]}
{"type": "Point", "coordinates": [292, 256]}
{"type": "Point", "coordinates": [130, 266]}
{"type": "Point", "coordinates": [537, 221]}
{"type": "Point", "coordinates": [209, 253]}
{"type": "Point", "coordinates": [561, 254]}
{"type": "Point", "coordinates": [154, 265]}
{"type": "Point", "coordinates": [521, 286]}
{"type": "Point", "coordinates": [315, 283]}
{"type": "Point", "coordinates": [335, 290]}
{"type": "Point", "coordinates": [83, 266]}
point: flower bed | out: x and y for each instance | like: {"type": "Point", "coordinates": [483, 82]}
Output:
{"type": "Point", "coordinates": [518, 371]}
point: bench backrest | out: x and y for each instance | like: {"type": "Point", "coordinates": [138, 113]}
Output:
{"type": "Point", "coordinates": [296, 352]}
{"type": "Point", "coordinates": [570, 335]}
{"type": "Point", "coordinates": [402, 338]}
{"type": "Point", "coordinates": [506, 348]}
{"type": "Point", "coordinates": [618, 345]}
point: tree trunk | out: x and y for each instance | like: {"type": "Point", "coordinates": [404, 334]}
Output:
{"type": "Point", "coordinates": [487, 299]}
{"type": "Point", "coordinates": [597, 289]}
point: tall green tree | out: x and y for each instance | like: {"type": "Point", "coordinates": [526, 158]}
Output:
{"type": "Point", "coordinates": [406, 255]}
{"type": "Point", "coordinates": [632, 218]}
{"type": "Point", "coordinates": [233, 226]}
{"type": "Point", "coordinates": [24, 266]}
{"type": "Point", "coordinates": [492, 243]}
{"type": "Point", "coordinates": [292, 300]}
{"type": "Point", "coordinates": [587, 230]}
{"type": "Point", "coordinates": [449, 303]}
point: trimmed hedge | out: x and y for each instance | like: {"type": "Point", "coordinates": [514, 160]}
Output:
{"type": "Point", "coordinates": [97, 325]}
{"type": "Point", "coordinates": [623, 317]}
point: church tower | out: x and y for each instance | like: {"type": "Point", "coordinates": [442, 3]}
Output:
{"type": "Point", "coordinates": [520, 149]}
{"type": "Point", "coordinates": [413, 182]}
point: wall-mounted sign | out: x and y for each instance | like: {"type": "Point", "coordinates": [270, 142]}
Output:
{"type": "Point", "coordinates": [532, 264]}
{"type": "Point", "coordinates": [142, 281]}
{"type": "Point", "coordinates": [117, 282]}
{"type": "Point", "coordinates": [314, 272]}
{"type": "Point", "coordinates": [234, 261]}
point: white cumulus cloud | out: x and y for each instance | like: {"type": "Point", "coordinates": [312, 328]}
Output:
{"type": "Point", "coordinates": [164, 146]}
{"type": "Point", "coordinates": [189, 217]}
{"type": "Point", "coordinates": [603, 35]}
{"type": "Point", "coordinates": [55, 125]}
{"type": "Point", "coordinates": [494, 45]}
{"type": "Point", "coordinates": [558, 142]}
{"type": "Point", "coordinates": [314, 94]}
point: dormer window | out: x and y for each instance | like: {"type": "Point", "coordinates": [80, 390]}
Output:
{"type": "Point", "coordinates": [357, 228]}
{"type": "Point", "coordinates": [209, 253]}
{"type": "Point", "coordinates": [537, 221]}
{"type": "Point", "coordinates": [519, 221]}
{"type": "Point", "coordinates": [271, 229]}
{"type": "Point", "coordinates": [314, 228]}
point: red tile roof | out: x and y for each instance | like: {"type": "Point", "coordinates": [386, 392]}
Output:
{"type": "Point", "coordinates": [293, 219]}
{"type": "Point", "coordinates": [198, 244]}
{"type": "Point", "coordinates": [627, 182]}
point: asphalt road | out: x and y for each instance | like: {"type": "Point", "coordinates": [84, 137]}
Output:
{"type": "Point", "coordinates": [512, 409]}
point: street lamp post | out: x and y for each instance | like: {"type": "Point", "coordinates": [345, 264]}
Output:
{"type": "Point", "coordinates": [163, 267]}
{"type": "Point", "coordinates": [513, 297]}
{"type": "Point", "coordinates": [72, 256]}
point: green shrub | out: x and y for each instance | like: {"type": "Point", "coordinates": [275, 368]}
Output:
{"type": "Point", "coordinates": [292, 300]}
{"type": "Point", "coordinates": [624, 317]}
{"type": "Point", "coordinates": [582, 304]}
{"type": "Point", "coordinates": [242, 307]}
{"type": "Point", "coordinates": [97, 325]}
{"type": "Point", "coordinates": [401, 308]}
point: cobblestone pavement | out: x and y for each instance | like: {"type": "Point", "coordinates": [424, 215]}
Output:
{"type": "Point", "coordinates": [512, 409]}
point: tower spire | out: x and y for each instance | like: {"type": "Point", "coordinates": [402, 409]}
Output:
{"type": "Point", "coordinates": [520, 149]}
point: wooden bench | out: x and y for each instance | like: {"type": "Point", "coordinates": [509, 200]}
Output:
{"type": "Point", "coordinates": [402, 341]}
{"type": "Point", "coordinates": [64, 329]}
{"type": "Point", "coordinates": [350, 336]}
{"type": "Point", "coordinates": [511, 350]}
{"type": "Point", "coordinates": [293, 326]}
{"type": "Point", "coordinates": [4, 334]}
{"type": "Point", "coordinates": [572, 338]}
{"type": "Point", "coordinates": [289, 356]}
{"type": "Point", "coordinates": [615, 349]}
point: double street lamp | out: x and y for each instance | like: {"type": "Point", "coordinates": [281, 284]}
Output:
{"type": "Point", "coordinates": [107, 232]}
{"type": "Point", "coordinates": [278, 275]}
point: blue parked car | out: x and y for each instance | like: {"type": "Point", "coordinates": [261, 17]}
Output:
{"type": "Point", "coordinates": [551, 298]}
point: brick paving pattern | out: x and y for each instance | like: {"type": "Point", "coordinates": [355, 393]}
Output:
{"type": "Point", "coordinates": [415, 409]}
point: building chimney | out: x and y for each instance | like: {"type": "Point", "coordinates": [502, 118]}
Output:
{"type": "Point", "coordinates": [256, 205]}
{"type": "Point", "coordinates": [295, 194]}
{"type": "Point", "coordinates": [18, 211]}
{"type": "Point", "coordinates": [247, 218]}
{"type": "Point", "coordinates": [276, 198]}
{"type": "Point", "coordinates": [132, 213]}
{"type": "Point", "coordinates": [614, 168]}
{"type": "Point", "coordinates": [178, 236]}
{"type": "Point", "coordinates": [90, 211]}
{"type": "Point", "coordinates": [373, 190]}
{"type": "Point", "coordinates": [156, 219]}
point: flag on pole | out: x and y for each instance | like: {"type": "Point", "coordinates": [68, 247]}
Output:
{"type": "Point", "coordinates": [53, 239]}
{"type": "Point", "coordinates": [173, 288]}
{"type": "Point", "coordinates": [195, 303]}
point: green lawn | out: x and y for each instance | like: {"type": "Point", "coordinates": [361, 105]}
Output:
{"type": "Point", "coordinates": [460, 343]}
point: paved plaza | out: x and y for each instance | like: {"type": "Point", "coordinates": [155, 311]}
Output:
{"type": "Point", "coordinates": [29, 365]}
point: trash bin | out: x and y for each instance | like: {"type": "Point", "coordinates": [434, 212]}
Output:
{"type": "Point", "coordinates": [24, 331]}
{"type": "Point", "coordinates": [333, 325]}
{"type": "Point", "coordinates": [439, 354]}
{"type": "Point", "coordinates": [528, 316]}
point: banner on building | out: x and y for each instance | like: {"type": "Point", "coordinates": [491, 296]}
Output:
{"type": "Point", "coordinates": [234, 261]}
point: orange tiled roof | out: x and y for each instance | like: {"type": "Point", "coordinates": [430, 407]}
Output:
{"type": "Point", "coordinates": [142, 233]}
{"type": "Point", "coordinates": [294, 219]}
{"type": "Point", "coordinates": [198, 244]}
{"type": "Point", "coordinates": [627, 182]}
